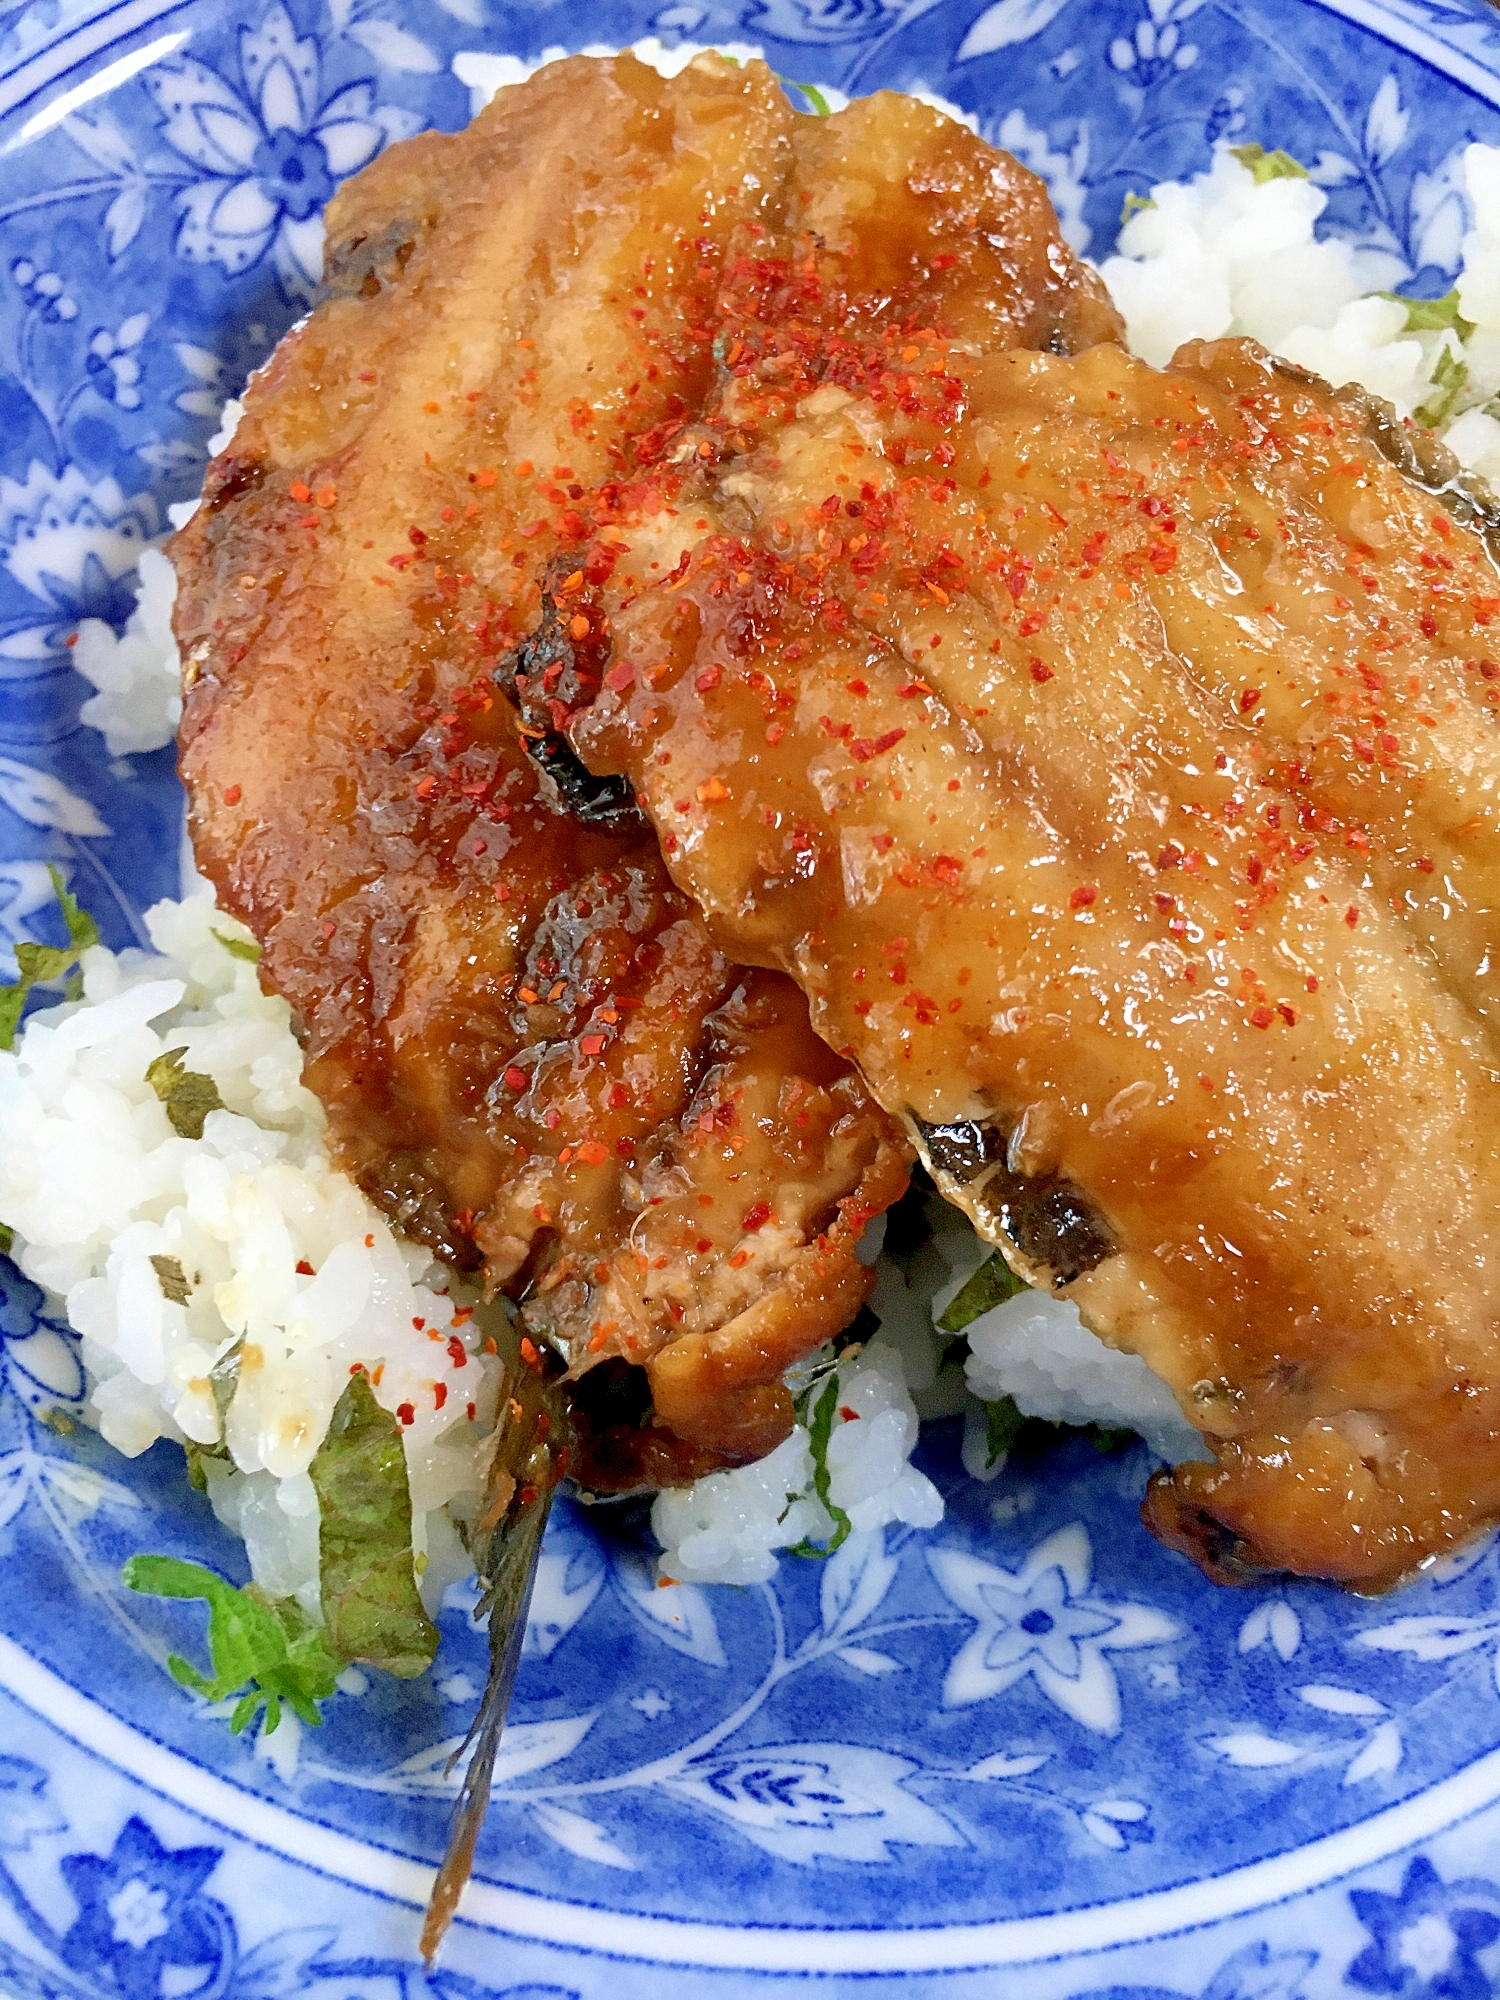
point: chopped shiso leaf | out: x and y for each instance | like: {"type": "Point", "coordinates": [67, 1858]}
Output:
{"type": "Point", "coordinates": [197, 1455]}
{"type": "Point", "coordinates": [365, 1570]}
{"type": "Point", "coordinates": [1450, 377]}
{"type": "Point", "coordinates": [1003, 1424]}
{"type": "Point", "coordinates": [272, 1646]}
{"type": "Point", "coordinates": [240, 948]}
{"type": "Point", "coordinates": [1277, 166]}
{"type": "Point", "coordinates": [172, 1279]}
{"type": "Point", "coordinates": [7, 1238]}
{"type": "Point", "coordinates": [991, 1285]}
{"type": "Point", "coordinates": [819, 1431]}
{"type": "Point", "coordinates": [39, 963]}
{"type": "Point", "coordinates": [223, 1377]}
{"type": "Point", "coordinates": [188, 1095]}
{"type": "Point", "coordinates": [1006, 1426]}
{"type": "Point", "coordinates": [811, 92]}
{"type": "Point", "coordinates": [1133, 204]}
{"type": "Point", "coordinates": [1433, 315]}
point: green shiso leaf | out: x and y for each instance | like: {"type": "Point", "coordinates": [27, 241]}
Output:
{"type": "Point", "coordinates": [1449, 377]}
{"type": "Point", "coordinates": [1433, 315]}
{"type": "Point", "coordinates": [810, 91]}
{"type": "Point", "coordinates": [188, 1094]}
{"type": "Point", "coordinates": [365, 1564]}
{"type": "Point", "coordinates": [1003, 1424]}
{"type": "Point", "coordinates": [1276, 166]}
{"type": "Point", "coordinates": [172, 1279]}
{"type": "Point", "coordinates": [271, 1646]}
{"type": "Point", "coordinates": [240, 948]}
{"type": "Point", "coordinates": [38, 963]}
{"type": "Point", "coordinates": [819, 1431]}
{"type": "Point", "coordinates": [991, 1285]}
{"type": "Point", "coordinates": [7, 1238]}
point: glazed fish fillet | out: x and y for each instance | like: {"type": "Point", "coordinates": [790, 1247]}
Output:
{"type": "Point", "coordinates": [1112, 758]}
{"type": "Point", "coordinates": [530, 1048]}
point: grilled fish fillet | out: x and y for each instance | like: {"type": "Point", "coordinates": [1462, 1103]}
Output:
{"type": "Point", "coordinates": [1112, 757]}
{"type": "Point", "coordinates": [531, 1051]}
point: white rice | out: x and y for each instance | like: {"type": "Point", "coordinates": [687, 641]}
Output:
{"type": "Point", "coordinates": [1221, 254]}
{"type": "Point", "coordinates": [94, 1182]}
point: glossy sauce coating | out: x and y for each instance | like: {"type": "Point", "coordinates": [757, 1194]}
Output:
{"type": "Point", "coordinates": [530, 1050]}
{"type": "Point", "coordinates": [1111, 755]}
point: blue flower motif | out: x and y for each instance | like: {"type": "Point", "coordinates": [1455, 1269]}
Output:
{"type": "Point", "coordinates": [114, 366]}
{"type": "Point", "coordinates": [72, 545]}
{"type": "Point", "coordinates": [270, 157]}
{"type": "Point", "coordinates": [1425, 1937]}
{"type": "Point", "coordinates": [39, 1363]}
{"type": "Point", "coordinates": [140, 1910]}
{"type": "Point", "coordinates": [1156, 48]}
{"type": "Point", "coordinates": [827, 21]}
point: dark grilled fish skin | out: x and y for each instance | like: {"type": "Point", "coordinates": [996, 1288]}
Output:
{"type": "Point", "coordinates": [531, 1051]}
{"type": "Point", "coordinates": [1112, 757]}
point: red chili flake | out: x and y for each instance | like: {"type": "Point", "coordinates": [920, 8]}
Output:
{"type": "Point", "coordinates": [1312, 982]}
{"type": "Point", "coordinates": [425, 786]}
{"type": "Point", "coordinates": [1262, 1017]}
{"type": "Point", "coordinates": [1423, 863]}
{"type": "Point", "coordinates": [529, 1353]}
{"type": "Point", "coordinates": [864, 748]}
{"type": "Point", "coordinates": [709, 678]}
{"type": "Point", "coordinates": [592, 1153]}
{"type": "Point", "coordinates": [419, 1322]}
{"type": "Point", "coordinates": [356, 1368]}
{"type": "Point", "coordinates": [849, 1416]}
{"type": "Point", "coordinates": [1040, 671]}
{"type": "Point", "coordinates": [329, 927]}
{"type": "Point", "coordinates": [591, 1044]}
{"type": "Point", "coordinates": [369, 1242]}
{"type": "Point", "coordinates": [300, 491]}
{"type": "Point", "coordinates": [458, 1354]}
{"type": "Point", "coordinates": [1206, 1080]}
{"type": "Point", "coordinates": [857, 687]}
{"type": "Point", "coordinates": [756, 1217]}
{"type": "Point", "coordinates": [439, 1394]}
{"type": "Point", "coordinates": [304, 1269]}
{"type": "Point", "coordinates": [1082, 896]}
{"type": "Point", "coordinates": [1248, 698]}
{"type": "Point", "coordinates": [406, 1413]}
{"type": "Point", "coordinates": [326, 496]}
{"type": "Point", "coordinates": [1428, 624]}
{"type": "Point", "coordinates": [1287, 1012]}
{"type": "Point", "coordinates": [516, 1077]}
{"type": "Point", "coordinates": [232, 795]}
{"type": "Point", "coordinates": [367, 375]}
{"type": "Point", "coordinates": [1351, 915]}
{"type": "Point", "coordinates": [527, 1495]}
{"type": "Point", "coordinates": [911, 689]}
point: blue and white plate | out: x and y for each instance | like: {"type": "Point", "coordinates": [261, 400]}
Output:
{"type": "Point", "coordinates": [1029, 1753]}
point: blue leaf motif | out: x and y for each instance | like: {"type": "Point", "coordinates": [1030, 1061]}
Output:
{"type": "Point", "coordinates": [1007, 23]}
{"type": "Point", "coordinates": [681, 1616]}
{"type": "Point", "coordinates": [25, 1813]}
{"type": "Point", "coordinates": [394, 47]}
{"type": "Point", "coordinates": [1386, 125]}
{"type": "Point", "coordinates": [855, 1581]}
{"type": "Point", "coordinates": [802, 1800]}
